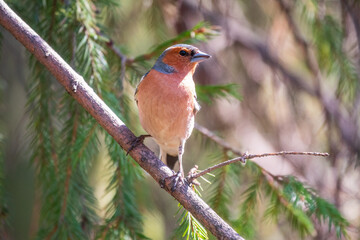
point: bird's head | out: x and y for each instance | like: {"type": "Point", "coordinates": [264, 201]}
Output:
{"type": "Point", "coordinates": [180, 58]}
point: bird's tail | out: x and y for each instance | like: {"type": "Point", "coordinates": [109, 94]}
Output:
{"type": "Point", "coordinates": [171, 160]}
{"type": "Point", "coordinates": [168, 159]}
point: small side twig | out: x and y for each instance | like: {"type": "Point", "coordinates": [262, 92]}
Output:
{"type": "Point", "coordinates": [247, 156]}
{"type": "Point", "coordinates": [116, 51]}
{"type": "Point", "coordinates": [209, 134]}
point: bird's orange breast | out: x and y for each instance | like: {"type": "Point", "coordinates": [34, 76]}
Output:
{"type": "Point", "coordinates": [166, 103]}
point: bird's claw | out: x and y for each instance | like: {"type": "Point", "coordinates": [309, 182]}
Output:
{"type": "Point", "coordinates": [177, 177]}
{"type": "Point", "coordinates": [174, 179]}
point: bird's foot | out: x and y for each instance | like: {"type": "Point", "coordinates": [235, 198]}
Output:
{"type": "Point", "coordinates": [177, 177]}
{"type": "Point", "coordinates": [174, 179]}
{"type": "Point", "coordinates": [138, 140]}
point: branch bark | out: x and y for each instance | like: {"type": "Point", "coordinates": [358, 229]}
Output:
{"type": "Point", "coordinates": [86, 97]}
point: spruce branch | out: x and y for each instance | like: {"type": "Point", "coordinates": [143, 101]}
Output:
{"type": "Point", "coordinates": [310, 58]}
{"type": "Point", "coordinates": [353, 7]}
{"type": "Point", "coordinates": [220, 189]}
{"type": "Point", "coordinates": [276, 185]}
{"type": "Point", "coordinates": [85, 96]}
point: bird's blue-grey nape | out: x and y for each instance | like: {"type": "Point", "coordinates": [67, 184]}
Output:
{"type": "Point", "coordinates": [162, 67]}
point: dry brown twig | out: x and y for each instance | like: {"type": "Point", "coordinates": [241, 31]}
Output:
{"type": "Point", "coordinates": [247, 156]}
{"type": "Point", "coordinates": [242, 156]}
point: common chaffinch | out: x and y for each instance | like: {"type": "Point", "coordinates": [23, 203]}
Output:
{"type": "Point", "coordinates": [166, 100]}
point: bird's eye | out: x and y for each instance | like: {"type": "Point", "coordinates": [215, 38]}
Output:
{"type": "Point", "coordinates": [183, 53]}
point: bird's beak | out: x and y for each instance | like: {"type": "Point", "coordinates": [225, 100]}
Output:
{"type": "Point", "coordinates": [200, 56]}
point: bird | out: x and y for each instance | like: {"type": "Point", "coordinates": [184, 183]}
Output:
{"type": "Point", "coordinates": [167, 101]}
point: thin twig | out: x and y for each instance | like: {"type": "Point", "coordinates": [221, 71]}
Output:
{"type": "Point", "coordinates": [209, 134]}
{"type": "Point", "coordinates": [117, 52]}
{"type": "Point", "coordinates": [246, 156]}
{"type": "Point", "coordinates": [123, 68]}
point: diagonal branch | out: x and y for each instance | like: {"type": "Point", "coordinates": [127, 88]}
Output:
{"type": "Point", "coordinates": [86, 97]}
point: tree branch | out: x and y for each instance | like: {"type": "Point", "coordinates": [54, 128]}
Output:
{"type": "Point", "coordinates": [246, 156]}
{"type": "Point", "coordinates": [86, 97]}
{"type": "Point", "coordinates": [242, 156]}
{"type": "Point", "coordinates": [217, 139]}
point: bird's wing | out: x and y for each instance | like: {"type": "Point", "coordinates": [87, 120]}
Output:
{"type": "Point", "coordinates": [137, 87]}
{"type": "Point", "coordinates": [197, 106]}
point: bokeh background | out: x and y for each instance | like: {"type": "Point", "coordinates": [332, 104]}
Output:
{"type": "Point", "coordinates": [293, 69]}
